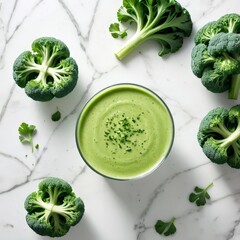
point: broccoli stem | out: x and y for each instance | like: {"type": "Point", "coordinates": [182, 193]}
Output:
{"type": "Point", "coordinates": [64, 210]}
{"type": "Point", "coordinates": [146, 33]}
{"type": "Point", "coordinates": [232, 138]}
{"type": "Point", "coordinates": [133, 43]}
{"type": "Point", "coordinates": [235, 86]}
{"type": "Point", "coordinates": [222, 130]}
{"type": "Point", "coordinates": [142, 35]}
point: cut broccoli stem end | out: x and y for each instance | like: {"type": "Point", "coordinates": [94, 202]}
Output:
{"type": "Point", "coordinates": [235, 87]}
{"type": "Point", "coordinates": [132, 44]}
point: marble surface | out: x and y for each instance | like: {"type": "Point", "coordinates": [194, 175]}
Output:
{"type": "Point", "coordinates": [114, 210]}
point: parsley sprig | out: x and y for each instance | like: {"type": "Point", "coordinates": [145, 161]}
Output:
{"type": "Point", "coordinates": [200, 195]}
{"type": "Point", "coordinates": [27, 132]}
{"type": "Point", "coordinates": [166, 228]}
{"type": "Point", "coordinates": [116, 32]}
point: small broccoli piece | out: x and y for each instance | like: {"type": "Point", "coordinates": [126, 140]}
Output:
{"type": "Point", "coordinates": [54, 208]}
{"type": "Point", "coordinates": [214, 81]}
{"type": "Point", "coordinates": [216, 76]}
{"type": "Point", "coordinates": [216, 55]}
{"type": "Point", "coordinates": [208, 31]}
{"type": "Point", "coordinates": [166, 22]}
{"type": "Point", "coordinates": [224, 43]}
{"type": "Point", "coordinates": [230, 23]}
{"type": "Point", "coordinates": [227, 46]}
{"type": "Point", "coordinates": [201, 59]}
{"type": "Point", "coordinates": [46, 72]}
{"type": "Point", "coordinates": [219, 136]}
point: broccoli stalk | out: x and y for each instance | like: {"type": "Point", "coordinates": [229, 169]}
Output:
{"type": "Point", "coordinates": [48, 71]}
{"type": "Point", "coordinates": [54, 208]}
{"type": "Point", "coordinates": [234, 87]}
{"type": "Point", "coordinates": [163, 21]}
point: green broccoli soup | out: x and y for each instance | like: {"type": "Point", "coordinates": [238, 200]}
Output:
{"type": "Point", "coordinates": [124, 132]}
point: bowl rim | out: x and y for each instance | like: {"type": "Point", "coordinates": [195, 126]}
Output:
{"type": "Point", "coordinates": [158, 163]}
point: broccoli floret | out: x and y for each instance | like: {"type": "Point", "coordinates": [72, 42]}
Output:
{"type": "Point", "coordinates": [202, 59]}
{"type": "Point", "coordinates": [54, 208]}
{"type": "Point", "coordinates": [219, 136]}
{"type": "Point", "coordinates": [166, 22]}
{"type": "Point", "coordinates": [224, 43]}
{"type": "Point", "coordinates": [214, 81]}
{"type": "Point", "coordinates": [230, 23]}
{"type": "Point", "coordinates": [208, 31]}
{"type": "Point", "coordinates": [216, 55]}
{"type": "Point", "coordinates": [46, 72]}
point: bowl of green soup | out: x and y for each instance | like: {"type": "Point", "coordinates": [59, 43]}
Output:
{"type": "Point", "coordinates": [124, 132]}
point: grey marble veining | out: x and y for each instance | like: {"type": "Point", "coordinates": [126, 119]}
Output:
{"type": "Point", "coordinates": [114, 210]}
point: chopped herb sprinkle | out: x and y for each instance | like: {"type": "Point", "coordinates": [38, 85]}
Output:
{"type": "Point", "coordinates": [121, 131]}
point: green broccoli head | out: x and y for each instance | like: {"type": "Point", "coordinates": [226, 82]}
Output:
{"type": "Point", "coordinates": [216, 56]}
{"type": "Point", "coordinates": [62, 76]}
{"type": "Point", "coordinates": [208, 31]}
{"type": "Point", "coordinates": [166, 22]}
{"type": "Point", "coordinates": [215, 81]}
{"type": "Point", "coordinates": [230, 23]}
{"type": "Point", "coordinates": [224, 43]}
{"type": "Point", "coordinates": [49, 49]}
{"type": "Point", "coordinates": [219, 136]}
{"type": "Point", "coordinates": [48, 71]}
{"type": "Point", "coordinates": [234, 117]}
{"type": "Point", "coordinates": [54, 208]}
{"type": "Point", "coordinates": [201, 59]}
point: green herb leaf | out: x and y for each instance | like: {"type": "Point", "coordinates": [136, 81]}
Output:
{"type": "Point", "coordinates": [114, 29]}
{"type": "Point", "coordinates": [56, 116]}
{"type": "Point", "coordinates": [165, 228]}
{"type": "Point", "coordinates": [200, 195]}
{"type": "Point", "coordinates": [26, 133]}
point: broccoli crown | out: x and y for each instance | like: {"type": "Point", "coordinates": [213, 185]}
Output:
{"type": "Point", "coordinates": [202, 59]}
{"type": "Point", "coordinates": [166, 22]}
{"type": "Point", "coordinates": [208, 31]}
{"type": "Point", "coordinates": [54, 208]}
{"type": "Point", "coordinates": [219, 136]}
{"type": "Point", "coordinates": [230, 23]}
{"type": "Point", "coordinates": [214, 81]}
{"type": "Point", "coordinates": [224, 43]}
{"type": "Point", "coordinates": [46, 72]}
{"type": "Point", "coordinates": [216, 55]}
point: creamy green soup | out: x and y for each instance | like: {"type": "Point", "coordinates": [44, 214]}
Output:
{"type": "Point", "coordinates": [124, 132]}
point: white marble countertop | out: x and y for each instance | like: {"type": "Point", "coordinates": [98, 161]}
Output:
{"type": "Point", "coordinates": [114, 210]}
